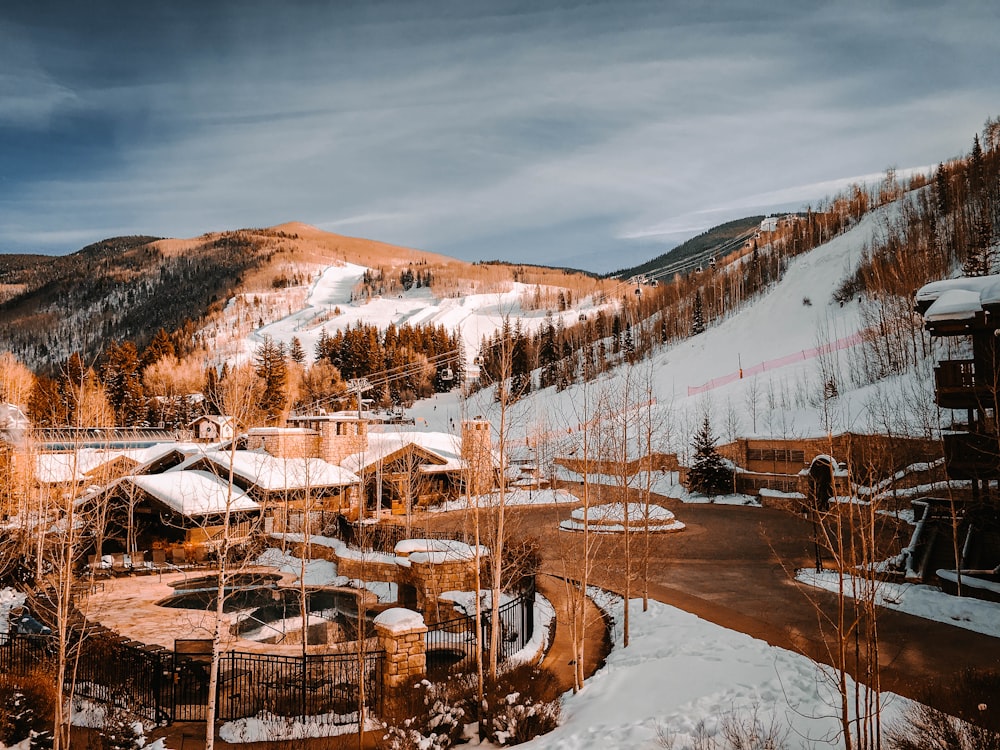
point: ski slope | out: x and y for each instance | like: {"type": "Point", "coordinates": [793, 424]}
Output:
{"type": "Point", "coordinates": [790, 330]}
{"type": "Point", "coordinates": [328, 306]}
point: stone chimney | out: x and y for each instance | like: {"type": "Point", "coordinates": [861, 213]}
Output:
{"type": "Point", "coordinates": [477, 452]}
{"type": "Point", "coordinates": [341, 437]}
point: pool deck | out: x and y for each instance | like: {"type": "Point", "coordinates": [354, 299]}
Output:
{"type": "Point", "coordinates": [128, 606]}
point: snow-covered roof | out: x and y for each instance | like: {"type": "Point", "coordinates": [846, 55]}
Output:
{"type": "Point", "coordinates": [954, 304]}
{"type": "Point", "coordinates": [194, 493]}
{"type": "Point", "coordinates": [270, 473]}
{"type": "Point", "coordinates": [76, 466]}
{"type": "Point", "coordinates": [11, 417]}
{"type": "Point", "coordinates": [214, 419]}
{"type": "Point", "coordinates": [446, 448]}
{"type": "Point", "coordinates": [958, 299]}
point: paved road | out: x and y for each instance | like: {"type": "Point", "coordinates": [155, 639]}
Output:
{"type": "Point", "coordinates": [734, 566]}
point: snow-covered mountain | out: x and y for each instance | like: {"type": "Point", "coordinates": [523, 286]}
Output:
{"type": "Point", "coordinates": [760, 371]}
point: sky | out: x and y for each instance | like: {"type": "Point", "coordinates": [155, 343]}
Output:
{"type": "Point", "coordinates": [586, 134]}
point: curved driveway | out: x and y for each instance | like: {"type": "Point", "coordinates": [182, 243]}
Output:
{"type": "Point", "coordinates": [734, 566]}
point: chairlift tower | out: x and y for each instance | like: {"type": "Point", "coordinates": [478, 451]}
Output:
{"type": "Point", "coordinates": [357, 386]}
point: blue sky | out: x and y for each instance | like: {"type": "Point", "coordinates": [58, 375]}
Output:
{"type": "Point", "coordinates": [590, 134]}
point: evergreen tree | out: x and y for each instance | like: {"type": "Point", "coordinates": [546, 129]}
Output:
{"type": "Point", "coordinates": [161, 346]}
{"type": "Point", "coordinates": [269, 360]}
{"type": "Point", "coordinates": [709, 474]}
{"type": "Point", "coordinates": [548, 353]}
{"type": "Point", "coordinates": [979, 261]}
{"type": "Point", "coordinates": [123, 384]}
{"type": "Point", "coordinates": [698, 315]}
{"type": "Point", "coordinates": [296, 352]}
{"type": "Point", "coordinates": [213, 397]}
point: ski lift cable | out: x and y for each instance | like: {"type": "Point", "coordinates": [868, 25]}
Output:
{"type": "Point", "coordinates": [391, 375]}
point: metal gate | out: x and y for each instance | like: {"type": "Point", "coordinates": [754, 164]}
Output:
{"type": "Point", "coordinates": [192, 665]}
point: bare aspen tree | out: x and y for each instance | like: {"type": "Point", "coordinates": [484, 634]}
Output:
{"type": "Point", "coordinates": [654, 433]}
{"type": "Point", "coordinates": [587, 413]}
{"type": "Point", "coordinates": [622, 430]}
{"type": "Point", "coordinates": [240, 395]}
{"type": "Point", "coordinates": [477, 463]}
{"type": "Point", "coordinates": [62, 546]}
{"type": "Point", "coordinates": [508, 391]}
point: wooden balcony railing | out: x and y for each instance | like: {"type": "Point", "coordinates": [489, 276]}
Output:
{"type": "Point", "coordinates": [958, 386]}
{"type": "Point", "coordinates": [970, 455]}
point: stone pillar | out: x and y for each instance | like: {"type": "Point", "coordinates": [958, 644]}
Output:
{"type": "Point", "coordinates": [402, 635]}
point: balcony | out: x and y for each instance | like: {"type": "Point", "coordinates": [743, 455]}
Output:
{"type": "Point", "coordinates": [971, 455]}
{"type": "Point", "coordinates": [957, 386]}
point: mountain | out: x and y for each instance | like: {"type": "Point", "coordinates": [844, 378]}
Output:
{"type": "Point", "coordinates": [127, 288]}
{"type": "Point", "coordinates": [716, 242]}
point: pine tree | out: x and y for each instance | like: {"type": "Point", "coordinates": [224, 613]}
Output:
{"type": "Point", "coordinates": [161, 346]}
{"type": "Point", "coordinates": [709, 473]}
{"type": "Point", "coordinates": [548, 353]}
{"type": "Point", "coordinates": [123, 384]}
{"type": "Point", "coordinates": [698, 315]}
{"type": "Point", "coordinates": [296, 352]}
{"type": "Point", "coordinates": [979, 261]}
{"type": "Point", "coordinates": [269, 360]}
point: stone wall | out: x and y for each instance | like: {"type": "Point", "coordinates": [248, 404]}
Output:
{"type": "Point", "coordinates": [405, 647]}
{"type": "Point", "coordinates": [433, 579]}
{"type": "Point", "coordinates": [284, 443]}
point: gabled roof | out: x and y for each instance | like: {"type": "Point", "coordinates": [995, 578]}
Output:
{"type": "Point", "coordinates": [442, 450]}
{"type": "Point", "coordinates": [439, 449]}
{"type": "Point", "coordinates": [268, 473]}
{"type": "Point", "coordinates": [79, 465]}
{"type": "Point", "coordinates": [193, 493]}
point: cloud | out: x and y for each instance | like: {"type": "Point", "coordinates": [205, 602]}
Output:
{"type": "Point", "coordinates": [477, 129]}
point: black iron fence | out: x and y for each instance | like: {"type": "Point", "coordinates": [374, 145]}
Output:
{"type": "Point", "coordinates": [451, 644]}
{"type": "Point", "coordinates": [104, 670]}
{"type": "Point", "coordinates": [328, 688]}
{"type": "Point", "coordinates": [163, 687]}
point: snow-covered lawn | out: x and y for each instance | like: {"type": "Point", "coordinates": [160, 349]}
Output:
{"type": "Point", "coordinates": [679, 670]}
{"type": "Point", "coordinates": [918, 599]}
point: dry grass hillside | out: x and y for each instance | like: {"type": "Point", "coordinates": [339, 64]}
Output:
{"type": "Point", "coordinates": [126, 288]}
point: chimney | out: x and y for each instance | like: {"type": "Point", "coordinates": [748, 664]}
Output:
{"type": "Point", "coordinates": [477, 452]}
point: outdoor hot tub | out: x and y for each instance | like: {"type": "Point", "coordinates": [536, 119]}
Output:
{"type": "Point", "coordinates": [265, 612]}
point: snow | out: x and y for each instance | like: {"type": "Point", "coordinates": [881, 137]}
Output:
{"type": "Point", "coordinates": [317, 572]}
{"type": "Point", "coordinates": [971, 580]}
{"type": "Point", "coordinates": [537, 645]}
{"type": "Point", "coordinates": [268, 727]}
{"type": "Point", "coordinates": [920, 600]}
{"type": "Point", "coordinates": [321, 541]}
{"type": "Point", "coordinates": [270, 473]}
{"type": "Point", "coordinates": [955, 304]}
{"type": "Point", "coordinates": [986, 288]}
{"type": "Point", "coordinates": [513, 496]}
{"type": "Point", "coordinates": [383, 442]}
{"type": "Point", "coordinates": [193, 493]}
{"type": "Point", "coordinates": [474, 315]}
{"type": "Point", "coordinates": [400, 620]}
{"type": "Point", "coordinates": [679, 670]}
{"type": "Point", "coordinates": [777, 342]}
{"type": "Point", "coordinates": [9, 599]}
{"type": "Point", "coordinates": [437, 550]}
{"type": "Point", "coordinates": [610, 519]}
